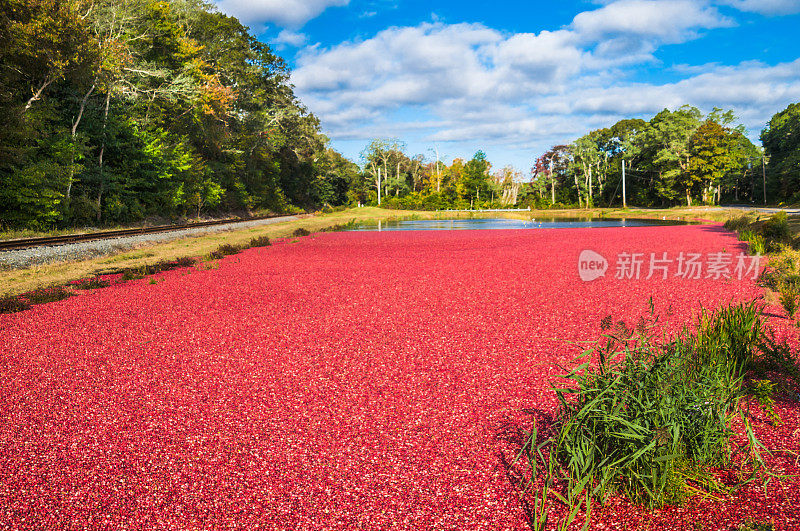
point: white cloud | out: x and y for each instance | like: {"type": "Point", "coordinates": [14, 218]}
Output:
{"type": "Point", "coordinates": [765, 7]}
{"type": "Point", "coordinates": [669, 21]}
{"type": "Point", "coordinates": [474, 86]}
{"type": "Point", "coordinates": [285, 13]}
{"type": "Point", "coordinates": [291, 38]}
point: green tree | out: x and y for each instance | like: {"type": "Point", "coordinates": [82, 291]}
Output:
{"type": "Point", "coordinates": [781, 141]}
{"type": "Point", "coordinates": [666, 141]}
{"type": "Point", "coordinates": [710, 158]}
{"type": "Point", "coordinates": [475, 181]}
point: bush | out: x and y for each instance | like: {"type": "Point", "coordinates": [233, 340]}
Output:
{"type": "Point", "coordinates": [788, 297]}
{"type": "Point", "coordinates": [260, 241]}
{"type": "Point", "coordinates": [776, 228]}
{"type": "Point", "coordinates": [45, 295]}
{"type": "Point", "coordinates": [92, 283]}
{"type": "Point", "coordinates": [737, 223]}
{"type": "Point", "coordinates": [225, 249]}
{"type": "Point", "coordinates": [13, 305]}
{"type": "Point", "coordinates": [300, 232]}
{"type": "Point", "coordinates": [649, 417]}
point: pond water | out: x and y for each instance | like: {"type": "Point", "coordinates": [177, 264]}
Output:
{"type": "Point", "coordinates": [501, 223]}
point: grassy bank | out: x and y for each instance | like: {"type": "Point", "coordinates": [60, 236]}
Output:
{"type": "Point", "coordinates": [14, 282]}
{"type": "Point", "coordinates": [17, 281]}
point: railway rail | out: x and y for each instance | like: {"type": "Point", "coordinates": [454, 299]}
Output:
{"type": "Point", "coordinates": [26, 243]}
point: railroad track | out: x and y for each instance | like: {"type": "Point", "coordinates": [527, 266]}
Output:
{"type": "Point", "coordinates": [26, 243]}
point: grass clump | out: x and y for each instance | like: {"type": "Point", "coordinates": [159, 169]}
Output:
{"type": "Point", "coordinates": [646, 418]}
{"type": "Point", "coordinates": [91, 283]}
{"type": "Point", "coordinates": [340, 226]}
{"type": "Point", "coordinates": [45, 295]}
{"type": "Point", "coordinates": [789, 298]}
{"type": "Point", "coordinates": [226, 249]}
{"type": "Point", "coordinates": [13, 305]}
{"type": "Point", "coordinates": [738, 223]}
{"type": "Point", "coordinates": [776, 228]}
{"type": "Point", "coordinates": [260, 241]}
{"type": "Point", "coordinates": [756, 243]}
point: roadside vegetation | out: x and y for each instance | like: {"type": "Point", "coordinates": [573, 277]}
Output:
{"type": "Point", "coordinates": [659, 419]}
{"type": "Point", "coordinates": [775, 238]}
{"type": "Point", "coordinates": [118, 112]}
{"type": "Point", "coordinates": [656, 419]}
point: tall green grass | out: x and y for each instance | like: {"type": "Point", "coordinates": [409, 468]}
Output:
{"type": "Point", "coordinates": [645, 417]}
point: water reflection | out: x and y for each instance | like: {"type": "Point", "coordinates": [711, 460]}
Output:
{"type": "Point", "coordinates": [502, 223]}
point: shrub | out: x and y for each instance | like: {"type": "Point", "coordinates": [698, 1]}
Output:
{"type": "Point", "coordinates": [776, 228]}
{"type": "Point", "coordinates": [300, 232]}
{"type": "Point", "coordinates": [92, 283]}
{"type": "Point", "coordinates": [788, 297]}
{"type": "Point", "coordinates": [225, 249]}
{"type": "Point", "coordinates": [737, 223]}
{"type": "Point", "coordinates": [45, 295]}
{"type": "Point", "coordinates": [260, 241]}
{"type": "Point", "coordinates": [13, 305]}
{"type": "Point", "coordinates": [649, 416]}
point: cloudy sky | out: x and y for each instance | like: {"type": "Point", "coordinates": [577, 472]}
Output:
{"type": "Point", "coordinates": [514, 77]}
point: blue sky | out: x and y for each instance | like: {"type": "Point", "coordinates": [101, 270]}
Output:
{"type": "Point", "coordinates": [512, 78]}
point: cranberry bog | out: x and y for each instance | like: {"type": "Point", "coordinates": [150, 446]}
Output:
{"type": "Point", "coordinates": [355, 380]}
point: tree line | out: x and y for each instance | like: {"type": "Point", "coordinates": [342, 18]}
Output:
{"type": "Point", "coordinates": [678, 157]}
{"type": "Point", "coordinates": [116, 110]}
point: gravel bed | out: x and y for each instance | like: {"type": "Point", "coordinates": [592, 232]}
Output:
{"type": "Point", "coordinates": [23, 258]}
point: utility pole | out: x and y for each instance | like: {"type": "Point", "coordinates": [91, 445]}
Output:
{"type": "Point", "coordinates": [379, 186]}
{"type": "Point", "coordinates": [764, 175]}
{"type": "Point", "coordinates": [624, 201]}
{"type": "Point", "coordinates": [438, 171]}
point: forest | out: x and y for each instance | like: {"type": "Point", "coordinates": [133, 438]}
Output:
{"type": "Point", "coordinates": [678, 157]}
{"type": "Point", "coordinates": [117, 110]}
{"type": "Point", "coordinates": [122, 110]}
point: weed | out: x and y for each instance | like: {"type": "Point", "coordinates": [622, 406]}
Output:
{"type": "Point", "coordinates": [646, 417]}
{"type": "Point", "coordinates": [763, 391]}
{"type": "Point", "coordinates": [737, 223]}
{"type": "Point", "coordinates": [13, 305]}
{"type": "Point", "coordinates": [260, 241]}
{"type": "Point", "coordinates": [300, 232]}
{"type": "Point", "coordinates": [778, 357]}
{"type": "Point", "coordinates": [789, 298]}
{"type": "Point", "coordinates": [169, 265]}
{"type": "Point", "coordinates": [45, 295]}
{"type": "Point", "coordinates": [752, 525]}
{"type": "Point", "coordinates": [92, 283]}
{"type": "Point", "coordinates": [225, 249]}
